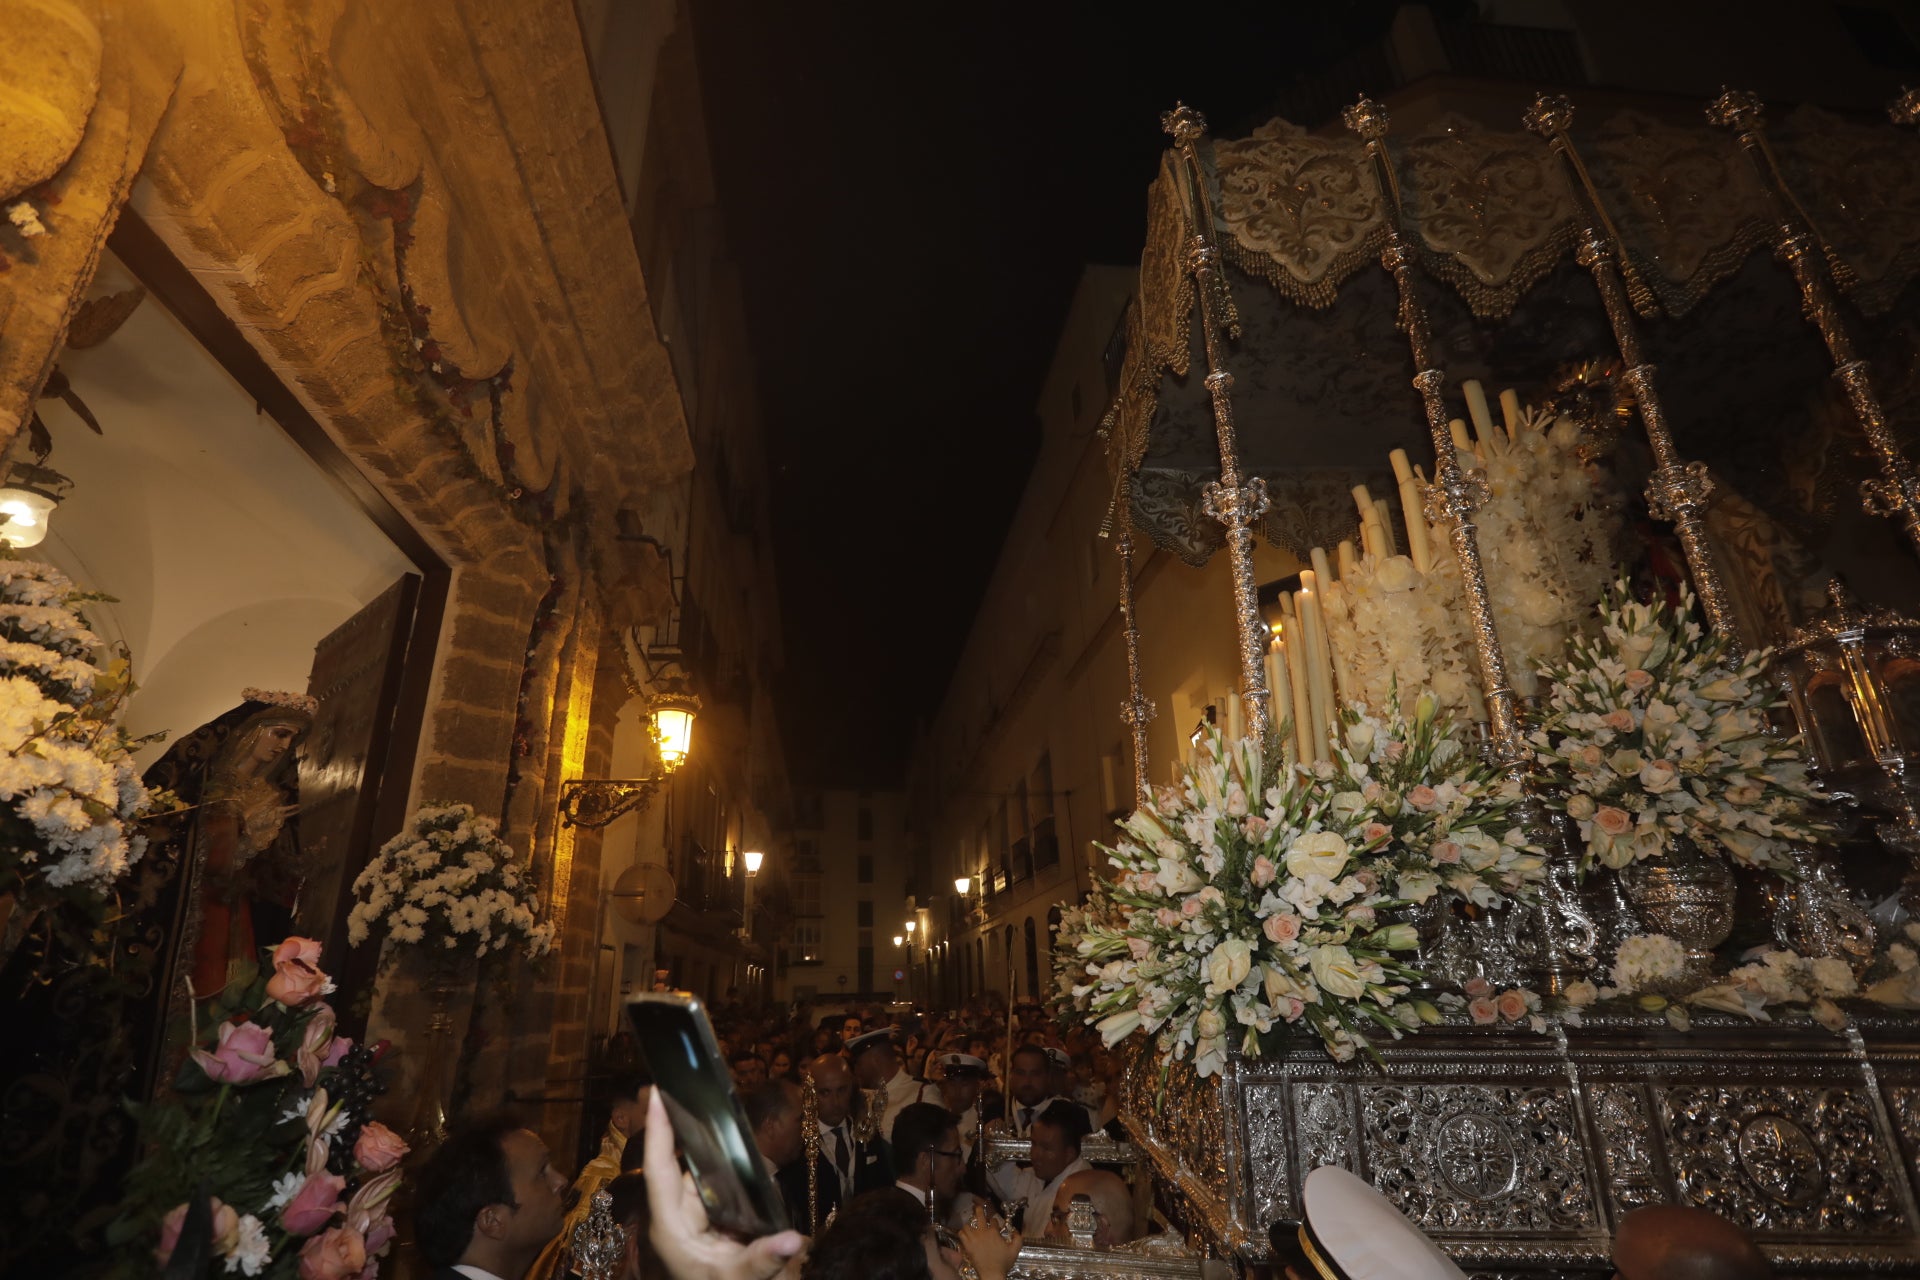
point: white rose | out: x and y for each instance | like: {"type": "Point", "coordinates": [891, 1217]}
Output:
{"type": "Point", "coordinates": [1176, 877]}
{"type": "Point", "coordinates": [1335, 969]}
{"type": "Point", "coordinates": [1210, 1025]}
{"type": "Point", "coordinates": [1319, 853]}
{"type": "Point", "coordinates": [1227, 967]}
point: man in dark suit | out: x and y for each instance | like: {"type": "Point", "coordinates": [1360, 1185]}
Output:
{"type": "Point", "coordinates": [845, 1167]}
{"type": "Point", "coordinates": [486, 1203]}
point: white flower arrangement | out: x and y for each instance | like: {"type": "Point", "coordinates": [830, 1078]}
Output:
{"type": "Point", "coordinates": [1778, 977]}
{"type": "Point", "coordinates": [1260, 893]}
{"type": "Point", "coordinates": [1656, 729]}
{"type": "Point", "coordinates": [450, 883]}
{"type": "Point", "coordinates": [70, 790]}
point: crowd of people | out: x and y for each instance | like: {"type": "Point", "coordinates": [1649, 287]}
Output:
{"type": "Point", "coordinates": [876, 1125]}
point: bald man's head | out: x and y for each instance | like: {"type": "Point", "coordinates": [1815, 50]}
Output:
{"type": "Point", "coordinates": [1111, 1202]}
{"type": "Point", "coordinates": [832, 1088]}
{"type": "Point", "coordinates": [1670, 1242]}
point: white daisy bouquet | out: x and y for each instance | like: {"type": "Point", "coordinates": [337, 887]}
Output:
{"type": "Point", "coordinates": [1656, 729]}
{"type": "Point", "coordinates": [449, 882]}
{"type": "Point", "coordinates": [1259, 893]}
{"type": "Point", "coordinates": [70, 795]}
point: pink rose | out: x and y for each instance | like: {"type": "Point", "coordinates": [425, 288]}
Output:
{"type": "Point", "coordinates": [296, 975]}
{"type": "Point", "coordinates": [1167, 917]}
{"type": "Point", "coordinates": [1396, 749]}
{"type": "Point", "coordinates": [1591, 756]}
{"type": "Point", "coordinates": [1191, 907]}
{"type": "Point", "coordinates": [1638, 680]}
{"type": "Point", "coordinates": [1375, 833]}
{"type": "Point", "coordinates": [316, 1042]}
{"type": "Point", "coordinates": [1512, 1005]}
{"type": "Point", "coordinates": [336, 1051]}
{"type": "Point", "coordinates": [1483, 1011]}
{"type": "Point", "coordinates": [1445, 851]}
{"type": "Point", "coordinates": [1255, 826]}
{"type": "Point", "coordinates": [313, 1205]}
{"type": "Point", "coordinates": [1618, 721]}
{"type": "Point", "coordinates": [244, 1054]}
{"type": "Point", "coordinates": [1281, 929]}
{"type": "Point", "coordinates": [1291, 1007]}
{"type": "Point", "coordinates": [1361, 914]}
{"type": "Point", "coordinates": [1147, 882]}
{"type": "Point", "coordinates": [379, 1147]}
{"type": "Point", "coordinates": [1422, 798]}
{"type": "Point", "coordinates": [1369, 878]}
{"type": "Point", "coordinates": [338, 1254]}
{"type": "Point", "coordinates": [1140, 948]}
{"type": "Point", "coordinates": [1263, 871]}
{"type": "Point", "coordinates": [1477, 987]}
{"type": "Point", "coordinates": [226, 1230]}
{"type": "Point", "coordinates": [1611, 820]}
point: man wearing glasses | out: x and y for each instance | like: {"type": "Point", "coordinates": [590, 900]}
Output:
{"type": "Point", "coordinates": [928, 1160]}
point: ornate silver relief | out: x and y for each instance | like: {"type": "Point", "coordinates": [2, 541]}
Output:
{"type": "Point", "coordinates": [1786, 1158]}
{"type": "Point", "coordinates": [1478, 1158]}
{"type": "Point", "coordinates": [1626, 1146]}
{"type": "Point", "coordinates": [1265, 1106]}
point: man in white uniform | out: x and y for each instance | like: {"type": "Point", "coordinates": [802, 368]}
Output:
{"type": "Point", "coordinates": [877, 1065]}
{"type": "Point", "coordinates": [1056, 1134]}
{"type": "Point", "coordinates": [962, 1078]}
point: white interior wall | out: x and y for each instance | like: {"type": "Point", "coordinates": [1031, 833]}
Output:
{"type": "Point", "coordinates": [229, 551]}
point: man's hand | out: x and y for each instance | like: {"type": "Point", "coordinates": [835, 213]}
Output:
{"type": "Point", "coordinates": [681, 1235]}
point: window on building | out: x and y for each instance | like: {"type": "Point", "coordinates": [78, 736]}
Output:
{"type": "Point", "coordinates": [1046, 844]}
{"type": "Point", "coordinates": [806, 896]}
{"type": "Point", "coordinates": [804, 947]}
{"type": "Point", "coordinates": [863, 914]}
{"type": "Point", "coordinates": [1018, 835]}
{"type": "Point", "coordinates": [866, 823]}
{"type": "Point", "coordinates": [864, 868]}
{"type": "Point", "coordinates": [863, 969]}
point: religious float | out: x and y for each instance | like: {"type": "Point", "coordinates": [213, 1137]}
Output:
{"type": "Point", "coordinates": [1559, 856]}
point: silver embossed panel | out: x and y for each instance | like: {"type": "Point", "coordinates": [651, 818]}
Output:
{"type": "Point", "coordinates": [1626, 1145]}
{"type": "Point", "coordinates": [1471, 1158]}
{"type": "Point", "coordinates": [1781, 1158]}
{"type": "Point", "coordinates": [1265, 1106]}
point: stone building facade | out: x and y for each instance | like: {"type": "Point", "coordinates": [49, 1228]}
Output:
{"type": "Point", "coordinates": [508, 310]}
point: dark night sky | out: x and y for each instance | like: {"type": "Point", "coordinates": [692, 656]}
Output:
{"type": "Point", "coordinates": [910, 192]}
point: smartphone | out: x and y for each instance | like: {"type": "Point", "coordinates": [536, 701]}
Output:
{"type": "Point", "coordinates": [678, 1044]}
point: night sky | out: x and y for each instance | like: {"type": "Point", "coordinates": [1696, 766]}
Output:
{"type": "Point", "coordinates": [911, 192]}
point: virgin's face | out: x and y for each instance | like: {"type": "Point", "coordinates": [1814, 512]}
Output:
{"type": "Point", "coordinates": [269, 745]}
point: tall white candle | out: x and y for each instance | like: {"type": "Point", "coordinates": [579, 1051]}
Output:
{"type": "Point", "coordinates": [1510, 410]}
{"type": "Point", "coordinates": [1413, 511]}
{"type": "Point", "coordinates": [1320, 671]}
{"type": "Point", "coordinates": [1461, 440]}
{"type": "Point", "coordinates": [1369, 536]}
{"type": "Point", "coordinates": [1278, 682]}
{"type": "Point", "coordinates": [1235, 718]}
{"type": "Point", "coordinates": [1344, 556]}
{"type": "Point", "coordinates": [1295, 654]}
{"type": "Point", "coordinates": [1383, 526]}
{"type": "Point", "coordinates": [1482, 419]}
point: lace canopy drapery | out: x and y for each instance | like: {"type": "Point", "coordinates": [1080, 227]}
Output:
{"type": "Point", "coordinates": [1320, 372]}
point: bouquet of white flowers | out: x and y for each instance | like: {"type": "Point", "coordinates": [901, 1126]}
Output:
{"type": "Point", "coordinates": [69, 791]}
{"type": "Point", "coordinates": [448, 881]}
{"type": "Point", "coordinates": [1259, 893]}
{"type": "Point", "coordinates": [1656, 729]}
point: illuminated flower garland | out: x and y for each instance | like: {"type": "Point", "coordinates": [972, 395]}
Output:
{"type": "Point", "coordinates": [1260, 893]}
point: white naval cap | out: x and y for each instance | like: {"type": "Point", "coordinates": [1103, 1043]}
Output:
{"type": "Point", "coordinates": [1352, 1232]}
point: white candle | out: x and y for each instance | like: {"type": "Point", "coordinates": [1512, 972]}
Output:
{"type": "Point", "coordinates": [1236, 718]}
{"type": "Point", "coordinates": [1383, 525]}
{"type": "Point", "coordinates": [1510, 410]}
{"type": "Point", "coordinates": [1320, 673]}
{"type": "Point", "coordinates": [1461, 440]}
{"type": "Point", "coordinates": [1323, 574]}
{"type": "Point", "coordinates": [1482, 419]}
{"type": "Point", "coordinates": [1278, 682]}
{"type": "Point", "coordinates": [1344, 556]}
{"type": "Point", "coordinates": [1369, 539]}
{"type": "Point", "coordinates": [1294, 655]}
{"type": "Point", "coordinates": [1412, 510]}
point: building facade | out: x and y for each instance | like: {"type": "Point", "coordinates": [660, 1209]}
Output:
{"type": "Point", "coordinates": [850, 863]}
{"type": "Point", "coordinates": [1026, 766]}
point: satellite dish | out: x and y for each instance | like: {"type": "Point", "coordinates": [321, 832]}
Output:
{"type": "Point", "coordinates": [644, 893]}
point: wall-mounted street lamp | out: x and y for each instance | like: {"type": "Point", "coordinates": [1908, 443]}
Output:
{"type": "Point", "coordinates": [963, 885]}
{"type": "Point", "coordinates": [595, 802]}
{"type": "Point", "coordinates": [753, 858]}
{"type": "Point", "coordinates": [899, 941]}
